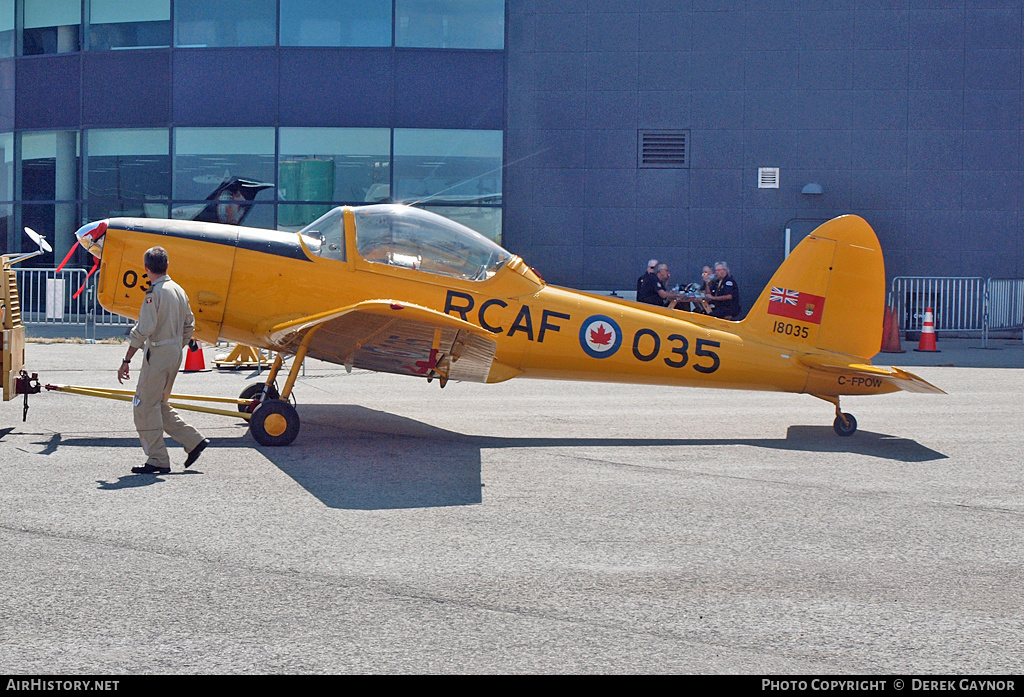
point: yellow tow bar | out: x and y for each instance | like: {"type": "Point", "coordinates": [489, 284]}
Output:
{"type": "Point", "coordinates": [126, 396]}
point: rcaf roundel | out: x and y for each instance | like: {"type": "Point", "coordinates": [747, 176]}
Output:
{"type": "Point", "coordinates": [600, 336]}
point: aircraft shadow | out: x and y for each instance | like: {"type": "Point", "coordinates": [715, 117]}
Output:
{"type": "Point", "coordinates": [351, 457]}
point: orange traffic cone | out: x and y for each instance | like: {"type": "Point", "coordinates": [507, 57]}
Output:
{"type": "Point", "coordinates": [927, 342]}
{"type": "Point", "coordinates": [890, 333]}
{"type": "Point", "coordinates": [194, 361]}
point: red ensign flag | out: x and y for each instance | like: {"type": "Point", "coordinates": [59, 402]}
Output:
{"type": "Point", "coordinates": [796, 305]}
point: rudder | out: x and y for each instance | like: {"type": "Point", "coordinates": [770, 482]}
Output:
{"type": "Point", "coordinates": [829, 294]}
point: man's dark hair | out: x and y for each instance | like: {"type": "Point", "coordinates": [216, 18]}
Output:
{"type": "Point", "coordinates": [155, 260]}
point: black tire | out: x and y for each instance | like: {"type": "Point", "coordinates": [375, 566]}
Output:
{"type": "Point", "coordinates": [274, 423]}
{"type": "Point", "coordinates": [847, 427]}
{"type": "Point", "coordinates": [252, 393]}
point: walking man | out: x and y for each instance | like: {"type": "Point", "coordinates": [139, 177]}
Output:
{"type": "Point", "coordinates": [165, 325]}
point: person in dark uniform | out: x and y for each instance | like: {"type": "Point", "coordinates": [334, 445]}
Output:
{"type": "Point", "coordinates": [652, 287]}
{"type": "Point", "coordinates": [165, 326]}
{"type": "Point", "coordinates": [651, 265]}
{"type": "Point", "coordinates": [724, 293]}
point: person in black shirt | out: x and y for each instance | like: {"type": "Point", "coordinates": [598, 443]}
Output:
{"type": "Point", "coordinates": [652, 287]}
{"type": "Point", "coordinates": [651, 265]}
{"type": "Point", "coordinates": [724, 293]}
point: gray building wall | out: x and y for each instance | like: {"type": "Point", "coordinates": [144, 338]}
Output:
{"type": "Point", "coordinates": [907, 112]}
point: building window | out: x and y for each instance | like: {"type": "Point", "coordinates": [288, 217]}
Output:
{"type": "Point", "coordinates": [331, 166]}
{"type": "Point", "coordinates": [201, 23]}
{"type": "Point", "coordinates": [336, 22]}
{"type": "Point", "coordinates": [445, 166]}
{"type": "Point", "coordinates": [6, 28]}
{"type": "Point", "coordinates": [49, 166]}
{"type": "Point", "coordinates": [441, 169]}
{"type": "Point", "coordinates": [9, 239]}
{"type": "Point", "coordinates": [127, 24]}
{"type": "Point", "coordinates": [450, 23]}
{"type": "Point", "coordinates": [220, 174]}
{"type": "Point", "coordinates": [127, 173]}
{"type": "Point", "coordinates": [49, 175]}
{"type": "Point", "coordinates": [6, 166]}
{"type": "Point", "coordinates": [51, 26]}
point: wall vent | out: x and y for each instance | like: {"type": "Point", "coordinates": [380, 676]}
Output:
{"type": "Point", "coordinates": [767, 177]}
{"type": "Point", "coordinates": [663, 149]}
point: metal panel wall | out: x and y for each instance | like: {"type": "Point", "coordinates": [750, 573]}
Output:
{"type": "Point", "coordinates": [907, 113]}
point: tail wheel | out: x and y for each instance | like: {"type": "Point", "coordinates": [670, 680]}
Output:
{"type": "Point", "coordinates": [254, 393]}
{"type": "Point", "coordinates": [845, 424]}
{"type": "Point", "coordinates": [274, 422]}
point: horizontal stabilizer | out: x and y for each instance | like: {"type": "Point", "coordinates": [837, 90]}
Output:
{"type": "Point", "coordinates": [900, 379]}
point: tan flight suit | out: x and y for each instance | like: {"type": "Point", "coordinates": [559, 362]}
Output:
{"type": "Point", "coordinates": [165, 326]}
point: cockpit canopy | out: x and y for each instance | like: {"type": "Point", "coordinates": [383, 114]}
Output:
{"type": "Point", "coordinates": [412, 238]}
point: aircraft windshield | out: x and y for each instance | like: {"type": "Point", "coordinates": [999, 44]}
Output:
{"type": "Point", "coordinates": [417, 239]}
{"type": "Point", "coordinates": [328, 233]}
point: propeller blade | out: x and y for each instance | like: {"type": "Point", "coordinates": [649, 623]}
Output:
{"type": "Point", "coordinates": [86, 281]}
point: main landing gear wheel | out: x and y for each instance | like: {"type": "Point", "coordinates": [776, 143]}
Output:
{"type": "Point", "coordinates": [845, 424]}
{"type": "Point", "coordinates": [274, 422]}
{"type": "Point", "coordinates": [253, 393]}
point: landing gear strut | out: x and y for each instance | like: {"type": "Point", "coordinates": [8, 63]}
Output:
{"type": "Point", "coordinates": [274, 420]}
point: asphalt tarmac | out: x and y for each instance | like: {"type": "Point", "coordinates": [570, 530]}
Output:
{"type": "Point", "coordinates": [526, 527]}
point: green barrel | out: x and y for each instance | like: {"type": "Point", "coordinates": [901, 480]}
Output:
{"type": "Point", "coordinates": [317, 176]}
{"type": "Point", "coordinates": [289, 188]}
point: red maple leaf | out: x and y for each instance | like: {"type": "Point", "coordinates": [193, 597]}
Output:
{"type": "Point", "coordinates": [600, 336]}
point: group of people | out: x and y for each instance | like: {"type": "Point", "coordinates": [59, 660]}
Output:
{"type": "Point", "coordinates": [715, 294]}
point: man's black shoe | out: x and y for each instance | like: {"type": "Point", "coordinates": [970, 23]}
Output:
{"type": "Point", "coordinates": [196, 452]}
{"type": "Point", "coordinates": [151, 469]}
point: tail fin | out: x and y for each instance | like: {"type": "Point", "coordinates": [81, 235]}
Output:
{"type": "Point", "coordinates": [829, 294]}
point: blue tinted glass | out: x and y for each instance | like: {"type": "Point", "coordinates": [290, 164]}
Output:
{"type": "Point", "coordinates": [450, 23]}
{"type": "Point", "coordinates": [7, 167]}
{"type": "Point", "coordinates": [6, 28]}
{"type": "Point", "coordinates": [219, 173]}
{"type": "Point", "coordinates": [435, 166]}
{"type": "Point", "coordinates": [49, 166]}
{"type": "Point", "coordinates": [331, 166]}
{"type": "Point", "coordinates": [128, 172]}
{"type": "Point", "coordinates": [335, 22]}
{"type": "Point", "coordinates": [125, 24]}
{"type": "Point", "coordinates": [51, 26]}
{"type": "Point", "coordinates": [201, 23]}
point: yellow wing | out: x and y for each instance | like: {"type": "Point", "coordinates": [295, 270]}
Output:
{"type": "Point", "coordinates": [392, 337]}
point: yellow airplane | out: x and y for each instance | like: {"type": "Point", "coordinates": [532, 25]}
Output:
{"type": "Point", "coordinates": [397, 289]}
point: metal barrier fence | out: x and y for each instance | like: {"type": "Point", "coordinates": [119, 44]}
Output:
{"type": "Point", "coordinates": [1004, 306]}
{"type": "Point", "coordinates": [47, 297]}
{"type": "Point", "coordinates": [959, 303]}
